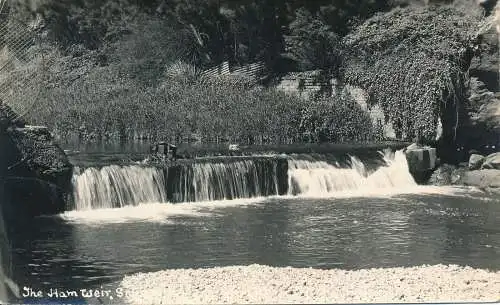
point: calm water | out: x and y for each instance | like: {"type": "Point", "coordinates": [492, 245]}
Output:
{"type": "Point", "coordinates": [88, 250]}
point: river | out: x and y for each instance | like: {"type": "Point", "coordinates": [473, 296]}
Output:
{"type": "Point", "coordinates": [349, 213]}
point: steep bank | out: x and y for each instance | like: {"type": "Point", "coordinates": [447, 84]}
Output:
{"type": "Point", "coordinates": [35, 172]}
{"type": "Point", "coordinates": [433, 70]}
{"type": "Point", "coordinates": [263, 284]}
{"type": "Point", "coordinates": [482, 130]}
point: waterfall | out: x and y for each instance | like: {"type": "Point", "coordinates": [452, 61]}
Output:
{"type": "Point", "coordinates": [117, 186]}
{"type": "Point", "coordinates": [218, 180]}
{"type": "Point", "coordinates": [319, 178]}
{"type": "Point", "coordinates": [232, 178]}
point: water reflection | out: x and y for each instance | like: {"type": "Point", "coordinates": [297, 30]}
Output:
{"type": "Point", "coordinates": [45, 256]}
{"type": "Point", "coordinates": [348, 233]}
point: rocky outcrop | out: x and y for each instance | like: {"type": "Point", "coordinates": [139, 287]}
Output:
{"type": "Point", "coordinates": [482, 130]}
{"type": "Point", "coordinates": [492, 161]}
{"type": "Point", "coordinates": [486, 179]}
{"type": "Point", "coordinates": [35, 172]}
{"type": "Point", "coordinates": [482, 172]}
{"type": "Point", "coordinates": [486, 66]}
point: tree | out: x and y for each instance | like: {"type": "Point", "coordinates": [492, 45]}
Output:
{"type": "Point", "coordinates": [313, 43]}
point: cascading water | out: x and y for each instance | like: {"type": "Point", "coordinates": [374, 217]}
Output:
{"type": "Point", "coordinates": [233, 180]}
{"type": "Point", "coordinates": [319, 178]}
{"type": "Point", "coordinates": [217, 180]}
{"type": "Point", "coordinates": [116, 186]}
{"type": "Point", "coordinates": [209, 180]}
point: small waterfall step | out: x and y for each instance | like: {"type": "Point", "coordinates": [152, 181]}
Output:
{"type": "Point", "coordinates": [211, 179]}
{"type": "Point", "coordinates": [322, 179]}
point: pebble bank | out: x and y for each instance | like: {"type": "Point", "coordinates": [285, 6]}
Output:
{"type": "Point", "coordinates": [263, 284]}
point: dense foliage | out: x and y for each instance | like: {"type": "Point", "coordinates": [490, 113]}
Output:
{"type": "Point", "coordinates": [112, 69]}
{"type": "Point", "coordinates": [102, 104]}
{"type": "Point", "coordinates": [313, 44]}
{"type": "Point", "coordinates": [104, 63]}
{"type": "Point", "coordinates": [414, 64]}
{"type": "Point", "coordinates": [239, 31]}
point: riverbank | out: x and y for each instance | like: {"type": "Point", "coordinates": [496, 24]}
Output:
{"type": "Point", "coordinates": [482, 172]}
{"type": "Point", "coordinates": [263, 284]}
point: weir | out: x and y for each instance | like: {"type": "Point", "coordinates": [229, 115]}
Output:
{"type": "Point", "coordinates": [228, 178]}
{"type": "Point", "coordinates": [207, 180]}
{"type": "Point", "coordinates": [321, 178]}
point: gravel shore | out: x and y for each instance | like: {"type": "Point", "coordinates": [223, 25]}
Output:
{"type": "Point", "coordinates": [263, 284]}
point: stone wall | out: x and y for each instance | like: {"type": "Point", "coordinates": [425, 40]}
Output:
{"type": "Point", "coordinates": [311, 83]}
{"type": "Point", "coordinates": [375, 111]}
{"type": "Point", "coordinates": [254, 71]}
{"type": "Point", "coordinates": [305, 84]}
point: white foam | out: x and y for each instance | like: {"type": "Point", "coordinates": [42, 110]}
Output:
{"type": "Point", "coordinates": [321, 179]}
{"type": "Point", "coordinates": [114, 185]}
{"type": "Point", "coordinates": [153, 212]}
{"type": "Point", "coordinates": [452, 191]}
{"type": "Point", "coordinates": [167, 212]}
{"type": "Point", "coordinates": [96, 190]}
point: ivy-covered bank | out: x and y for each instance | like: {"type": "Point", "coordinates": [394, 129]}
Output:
{"type": "Point", "coordinates": [414, 63]}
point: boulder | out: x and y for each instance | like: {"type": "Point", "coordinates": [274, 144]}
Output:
{"type": "Point", "coordinates": [37, 173]}
{"type": "Point", "coordinates": [421, 158]}
{"type": "Point", "coordinates": [486, 179]}
{"type": "Point", "coordinates": [492, 161]}
{"type": "Point", "coordinates": [475, 161]}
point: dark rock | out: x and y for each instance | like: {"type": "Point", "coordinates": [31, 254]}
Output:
{"type": "Point", "coordinates": [481, 129]}
{"type": "Point", "coordinates": [492, 161]}
{"type": "Point", "coordinates": [37, 173]}
{"type": "Point", "coordinates": [421, 162]}
{"type": "Point", "coordinates": [485, 66]}
{"type": "Point", "coordinates": [484, 102]}
{"type": "Point", "coordinates": [488, 5]}
{"type": "Point", "coordinates": [475, 161]}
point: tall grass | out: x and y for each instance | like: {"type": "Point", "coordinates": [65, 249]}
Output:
{"type": "Point", "coordinates": [94, 103]}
